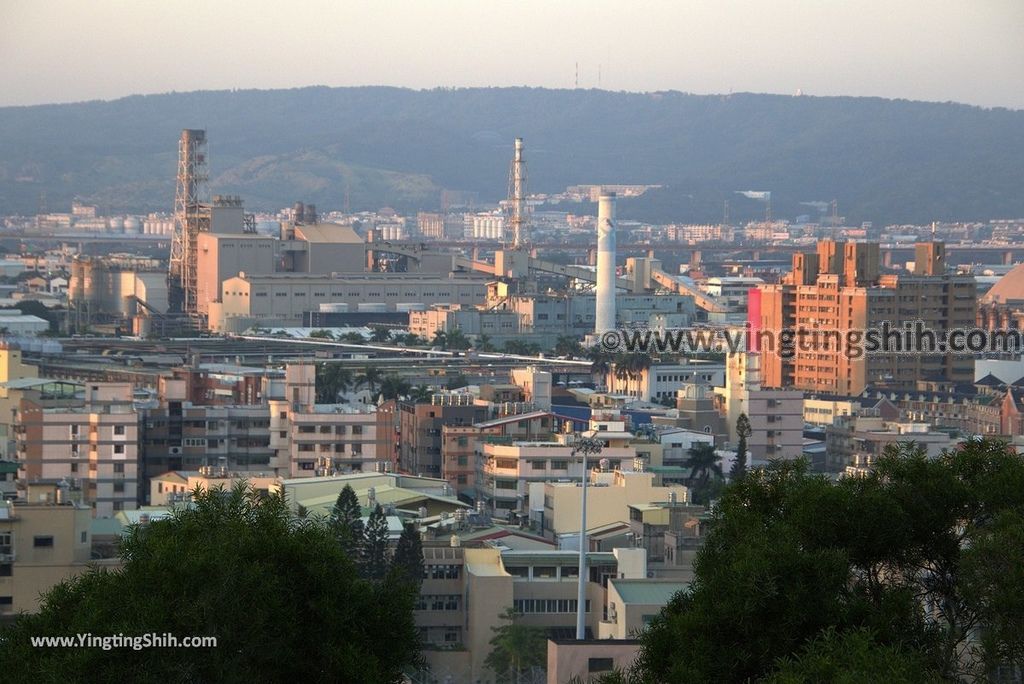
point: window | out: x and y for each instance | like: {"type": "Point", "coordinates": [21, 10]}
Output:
{"type": "Point", "coordinates": [42, 542]}
{"type": "Point", "coordinates": [559, 465]}
{"type": "Point", "coordinates": [119, 429]}
{"type": "Point", "coordinates": [544, 572]}
{"type": "Point", "coordinates": [6, 601]}
{"type": "Point", "coordinates": [600, 665]}
{"type": "Point", "coordinates": [119, 467]}
{"type": "Point", "coordinates": [6, 569]}
{"type": "Point", "coordinates": [119, 487]}
{"type": "Point", "coordinates": [84, 537]}
{"type": "Point", "coordinates": [119, 448]}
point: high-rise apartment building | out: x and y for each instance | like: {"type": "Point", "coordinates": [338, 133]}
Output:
{"type": "Point", "coordinates": [829, 301]}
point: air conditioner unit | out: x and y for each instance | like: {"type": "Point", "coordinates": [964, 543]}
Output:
{"type": "Point", "coordinates": [175, 450]}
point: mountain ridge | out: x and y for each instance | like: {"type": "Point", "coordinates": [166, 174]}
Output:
{"type": "Point", "coordinates": [889, 161]}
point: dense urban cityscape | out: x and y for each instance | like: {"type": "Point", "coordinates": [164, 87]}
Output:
{"type": "Point", "coordinates": [529, 439]}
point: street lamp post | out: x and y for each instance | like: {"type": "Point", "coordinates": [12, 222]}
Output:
{"type": "Point", "coordinates": [585, 446]}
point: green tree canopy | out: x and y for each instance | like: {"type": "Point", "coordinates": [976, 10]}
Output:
{"type": "Point", "coordinates": [516, 648]}
{"type": "Point", "coordinates": [375, 545]}
{"type": "Point", "coordinates": [407, 563]}
{"type": "Point", "coordinates": [346, 521]}
{"type": "Point", "coordinates": [282, 598]}
{"type": "Point", "coordinates": [739, 466]}
{"type": "Point", "coordinates": [923, 556]}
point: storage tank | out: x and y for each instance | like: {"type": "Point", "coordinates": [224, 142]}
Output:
{"type": "Point", "coordinates": [116, 224]}
{"type": "Point", "coordinates": [132, 226]}
{"type": "Point", "coordinates": [334, 307]}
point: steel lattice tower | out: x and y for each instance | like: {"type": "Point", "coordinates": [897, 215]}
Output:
{"type": "Point", "coordinates": [190, 218]}
{"type": "Point", "coordinates": [517, 198]}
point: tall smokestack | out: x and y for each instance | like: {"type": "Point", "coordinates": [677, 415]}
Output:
{"type": "Point", "coordinates": [605, 318]}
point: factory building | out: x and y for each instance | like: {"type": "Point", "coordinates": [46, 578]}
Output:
{"type": "Point", "coordinates": [543, 318]}
{"type": "Point", "coordinates": [280, 299]}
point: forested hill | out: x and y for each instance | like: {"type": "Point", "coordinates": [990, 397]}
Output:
{"type": "Point", "coordinates": [885, 161]}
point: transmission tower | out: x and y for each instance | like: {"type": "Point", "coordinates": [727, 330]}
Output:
{"type": "Point", "coordinates": [190, 218]}
{"type": "Point", "coordinates": [517, 199]}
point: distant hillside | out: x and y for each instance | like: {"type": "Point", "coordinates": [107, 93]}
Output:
{"type": "Point", "coordinates": [883, 160]}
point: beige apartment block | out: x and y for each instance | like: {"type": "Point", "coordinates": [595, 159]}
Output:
{"type": "Point", "coordinates": [609, 496]}
{"type": "Point", "coordinates": [466, 590]}
{"type": "Point", "coordinates": [633, 603]}
{"type": "Point", "coordinates": [43, 540]}
{"type": "Point", "coordinates": [321, 439]}
{"type": "Point", "coordinates": [91, 440]}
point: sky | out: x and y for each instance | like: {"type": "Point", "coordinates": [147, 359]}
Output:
{"type": "Point", "coordinates": [969, 51]}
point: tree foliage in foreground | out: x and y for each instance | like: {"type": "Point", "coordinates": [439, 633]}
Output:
{"type": "Point", "coordinates": [282, 597]}
{"type": "Point", "coordinates": [516, 649]}
{"type": "Point", "coordinates": [912, 573]}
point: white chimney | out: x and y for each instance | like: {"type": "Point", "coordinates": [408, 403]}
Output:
{"type": "Point", "coordinates": [605, 318]}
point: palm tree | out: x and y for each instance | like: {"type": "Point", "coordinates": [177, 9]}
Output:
{"type": "Point", "coordinates": [638, 364]}
{"type": "Point", "coordinates": [353, 338]}
{"type": "Point", "coordinates": [440, 339]}
{"type": "Point", "coordinates": [620, 368]}
{"type": "Point", "coordinates": [332, 379]}
{"type": "Point", "coordinates": [380, 334]}
{"type": "Point", "coordinates": [600, 362]}
{"type": "Point", "coordinates": [515, 648]}
{"type": "Point", "coordinates": [458, 340]}
{"type": "Point", "coordinates": [567, 345]}
{"type": "Point", "coordinates": [515, 347]}
{"type": "Point", "coordinates": [370, 377]}
{"type": "Point", "coordinates": [483, 343]}
{"type": "Point", "coordinates": [394, 387]}
{"type": "Point", "coordinates": [421, 394]}
{"type": "Point", "coordinates": [704, 464]}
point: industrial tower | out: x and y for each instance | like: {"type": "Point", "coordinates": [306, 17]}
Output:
{"type": "Point", "coordinates": [190, 218]}
{"type": "Point", "coordinates": [517, 199]}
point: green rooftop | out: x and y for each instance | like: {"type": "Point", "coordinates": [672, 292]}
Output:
{"type": "Point", "coordinates": [647, 592]}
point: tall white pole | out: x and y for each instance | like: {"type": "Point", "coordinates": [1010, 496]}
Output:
{"type": "Point", "coordinates": [604, 319]}
{"type": "Point", "coordinates": [581, 590]}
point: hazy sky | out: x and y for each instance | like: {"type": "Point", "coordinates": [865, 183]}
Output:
{"type": "Point", "coordinates": [965, 50]}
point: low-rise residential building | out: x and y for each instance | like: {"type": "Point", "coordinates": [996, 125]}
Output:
{"type": "Point", "coordinates": [420, 427]}
{"type": "Point", "coordinates": [859, 440]}
{"type": "Point", "coordinates": [633, 603]}
{"type": "Point", "coordinates": [610, 493]}
{"type": "Point", "coordinates": [461, 443]}
{"type": "Point", "coordinates": [44, 540]}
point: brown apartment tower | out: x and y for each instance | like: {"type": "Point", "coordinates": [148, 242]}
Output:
{"type": "Point", "coordinates": [840, 288]}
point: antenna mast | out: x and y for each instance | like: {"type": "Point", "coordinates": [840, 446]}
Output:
{"type": "Point", "coordinates": [189, 220]}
